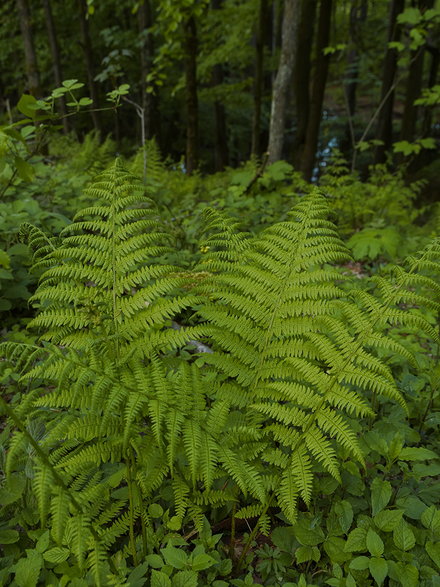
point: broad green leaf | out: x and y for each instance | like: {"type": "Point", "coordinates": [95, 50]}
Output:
{"type": "Point", "coordinates": [413, 453]}
{"type": "Point", "coordinates": [406, 574]}
{"type": "Point", "coordinates": [155, 510]}
{"type": "Point", "coordinates": [159, 579]}
{"type": "Point", "coordinates": [155, 561]}
{"type": "Point", "coordinates": [403, 536]}
{"type": "Point", "coordinates": [27, 570]}
{"type": "Point", "coordinates": [380, 495]}
{"type": "Point", "coordinates": [26, 105]}
{"type": "Point", "coordinates": [387, 520]}
{"type": "Point", "coordinates": [306, 535]}
{"type": "Point", "coordinates": [378, 569]}
{"type": "Point", "coordinates": [357, 540]}
{"type": "Point", "coordinates": [185, 579]}
{"type": "Point", "coordinates": [335, 549]}
{"type": "Point", "coordinates": [25, 171]}
{"type": "Point", "coordinates": [433, 549]}
{"type": "Point", "coordinates": [9, 536]}
{"type": "Point", "coordinates": [374, 543]}
{"type": "Point", "coordinates": [5, 260]}
{"type": "Point", "coordinates": [344, 512]}
{"type": "Point", "coordinates": [413, 506]}
{"type": "Point", "coordinates": [304, 554]}
{"type": "Point", "coordinates": [56, 555]}
{"type": "Point", "coordinates": [360, 563]}
{"type": "Point", "coordinates": [202, 561]}
{"type": "Point", "coordinates": [174, 557]}
{"type": "Point", "coordinates": [431, 519]}
{"type": "Point", "coordinates": [283, 537]}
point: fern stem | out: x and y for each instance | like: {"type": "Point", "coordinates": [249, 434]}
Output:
{"type": "Point", "coordinates": [131, 510]}
{"type": "Point", "coordinates": [232, 543]}
{"type": "Point", "coordinates": [253, 534]}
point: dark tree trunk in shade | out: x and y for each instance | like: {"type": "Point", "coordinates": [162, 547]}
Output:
{"type": "Point", "coordinates": [358, 15]}
{"type": "Point", "coordinates": [192, 115]}
{"type": "Point", "coordinates": [413, 87]}
{"type": "Point", "coordinates": [432, 80]}
{"type": "Point", "coordinates": [32, 73]}
{"type": "Point", "coordinates": [221, 153]}
{"type": "Point", "coordinates": [318, 89]}
{"type": "Point", "coordinates": [263, 16]}
{"type": "Point", "coordinates": [301, 77]}
{"type": "Point", "coordinates": [384, 130]}
{"type": "Point", "coordinates": [55, 52]}
{"type": "Point", "coordinates": [148, 100]}
{"type": "Point", "coordinates": [283, 80]}
{"type": "Point", "coordinates": [87, 48]}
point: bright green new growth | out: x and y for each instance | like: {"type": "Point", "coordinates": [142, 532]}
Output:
{"type": "Point", "coordinates": [295, 359]}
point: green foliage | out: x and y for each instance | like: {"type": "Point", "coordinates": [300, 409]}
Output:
{"type": "Point", "coordinates": [125, 445]}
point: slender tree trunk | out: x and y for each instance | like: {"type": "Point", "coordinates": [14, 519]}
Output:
{"type": "Point", "coordinates": [283, 80]}
{"type": "Point", "coordinates": [384, 131]}
{"type": "Point", "coordinates": [33, 75]}
{"type": "Point", "coordinates": [148, 100]}
{"type": "Point", "coordinates": [432, 80]}
{"type": "Point", "coordinates": [318, 89]}
{"type": "Point", "coordinates": [358, 15]}
{"type": "Point", "coordinates": [54, 49]}
{"type": "Point", "coordinates": [192, 115]}
{"type": "Point", "coordinates": [301, 77]}
{"type": "Point", "coordinates": [88, 55]}
{"type": "Point", "coordinates": [221, 153]}
{"type": "Point", "coordinates": [258, 77]}
{"type": "Point", "coordinates": [413, 87]}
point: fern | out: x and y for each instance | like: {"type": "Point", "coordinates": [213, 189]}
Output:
{"type": "Point", "coordinates": [296, 358]}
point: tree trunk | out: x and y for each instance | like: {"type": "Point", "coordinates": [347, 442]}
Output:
{"type": "Point", "coordinates": [384, 131]}
{"type": "Point", "coordinates": [33, 75]}
{"type": "Point", "coordinates": [358, 15]}
{"type": "Point", "coordinates": [413, 86]}
{"type": "Point", "coordinates": [192, 115]}
{"type": "Point", "coordinates": [54, 49]}
{"type": "Point", "coordinates": [432, 80]}
{"type": "Point", "coordinates": [148, 100]}
{"type": "Point", "coordinates": [318, 89]}
{"type": "Point", "coordinates": [283, 80]}
{"type": "Point", "coordinates": [88, 56]}
{"type": "Point", "coordinates": [301, 77]}
{"type": "Point", "coordinates": [221, 154]}
{"type": "Point", "coordinates": [258, 77]}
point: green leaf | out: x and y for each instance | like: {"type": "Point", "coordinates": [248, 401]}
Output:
{"type": "Point", "coordinates": [25, 171]}
{"type": "Point", "coordinates": [56, 555]}
{"type": "Point", "coordinates": [155, 510]}
{"type": "Point", "coordinates": [417, 454]}
{"type": "Point", "coordinates": [403, 536]}
{"type": "Point", "coordinates": [159, 579]}
{"type": "Point", "coordinates": [155, 561]}
{"type": "Point", "coordinates": [174, 557]}
{"type": "Point", "coordinates": [185, 579]}
{"type": "Point", "coordinates": [9, 536]}
{"type": "Point", "coordinates": [374, 543]}
{"type": "Point", "coordinates": [306, 535]}
{"type": "Point", "coordinates": [387, 520]}
{"type": "Point", "coordinates": [413, 506]}
{"type": "Point", "coordinates": [431, 519]}
{"type": "Point", "coordinates": [26, 105]}
{"type": "Point", "coordinates": [27, 570]}
{"type": "Point", "coordinates": [357, 540]}
{"type": "Point", "coordinates": [304, 554]}
{"type": "Point", "coordinates": [360, 563]}
{"type": "Point", "coordinates": [406, 574]}
{"type": "Point", "coordinates": [202, 561]}
{"type": "Point", "coordinates": [378, 569]}
{"type": "Point", "coordinates": [433, 549]}
{"type": "Point", "coordinates": [380, 495]}
{"type": "Point", "coordinates": [344, 513]}
{"type": "Point", "coordinates": [335, 549]}
{"type": "Point", "coordinates": [85, 101]}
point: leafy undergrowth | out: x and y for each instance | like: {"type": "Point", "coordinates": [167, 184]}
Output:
{"type": "Point", "coordinates": [244, 408]}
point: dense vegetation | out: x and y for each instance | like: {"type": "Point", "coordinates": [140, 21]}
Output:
{"type": "Point", "coordinates": [215, 369]}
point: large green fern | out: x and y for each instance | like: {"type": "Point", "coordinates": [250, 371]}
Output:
{"type": "Point", "coordinates": [295, 362]}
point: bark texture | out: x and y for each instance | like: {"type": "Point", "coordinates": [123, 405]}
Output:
{"type": "Point", "coordinates": [192, 115]}
{"type": "Point", "coordinates": [32, 72]}
{"type": "Point", "coordinates": [283, 80]}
